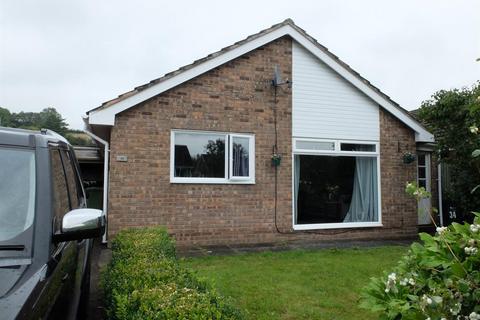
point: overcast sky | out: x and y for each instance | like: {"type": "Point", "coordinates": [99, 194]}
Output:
{"type": "Point", "coordinates": [73, 55]}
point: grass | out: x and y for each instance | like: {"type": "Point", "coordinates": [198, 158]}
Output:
{"type": "Point", "coordinates": [298, 284]}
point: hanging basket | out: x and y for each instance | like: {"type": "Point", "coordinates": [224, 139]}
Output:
{"type": "Point", "coordinates": [408, 157]}
{"type": "Point", "coordinates": [276, 160]}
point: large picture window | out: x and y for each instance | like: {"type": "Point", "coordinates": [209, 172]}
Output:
{"type": "Point", "coordinates": [336, 184]}
{"type": "Point", "coordinates": [212, 157]}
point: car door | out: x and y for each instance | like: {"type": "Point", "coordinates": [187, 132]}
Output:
{"type": "Point", "coordinates": [77, 200]}
{"type": "Point", "coordinates": [54, 300]}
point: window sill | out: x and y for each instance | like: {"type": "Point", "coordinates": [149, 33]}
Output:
{"type": "Point", "coordinates": [348, 225]}
{"type": "Point", "coordinates": [209, 181]}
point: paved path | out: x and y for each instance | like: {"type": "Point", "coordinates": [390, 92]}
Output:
{"type": "Point", "coordinates": [100, 257]}
{"type": "Point", "coordinates": [283, 246]}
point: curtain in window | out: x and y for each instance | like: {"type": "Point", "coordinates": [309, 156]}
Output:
{"type": "Point", "coordinates": [240, 157]}
{"type": "Point", "coordinates": [363, 207]}
{"type": "Point", "coordinates": [296, 166]}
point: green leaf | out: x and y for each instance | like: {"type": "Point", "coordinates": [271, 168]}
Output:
{"type": "Point", "coordinates": [476, 153]}
{"type": "Point", "coordinates": [417, 248]}
{"type": "Point", "coordinates": [425, 237]}
{"type": "Point", "coordinates": [475, 189]}
{"type": "Point", "coordinates": [462, 229]}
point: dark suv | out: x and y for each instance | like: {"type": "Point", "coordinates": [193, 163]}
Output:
{"type": "Point", "coordinates": [45, 229]}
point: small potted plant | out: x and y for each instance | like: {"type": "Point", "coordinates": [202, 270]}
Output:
{"type": "Point", "coordinates": [276, 159]}
{"type": "Point", "coordinates": [408, 157]}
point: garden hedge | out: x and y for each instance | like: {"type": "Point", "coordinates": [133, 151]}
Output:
{"type": "Point", "coordinates": [145, 281]}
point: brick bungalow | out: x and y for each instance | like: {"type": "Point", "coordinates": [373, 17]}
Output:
{"type": "Point", "coordinates": [193, 149]}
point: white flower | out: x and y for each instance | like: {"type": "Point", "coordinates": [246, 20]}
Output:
{"type": "Point", "coordinates": [406, 281]}
{"type": "Point", "coordinates": [471, 250]}
{"type": "Point", "coordinates": [391, 281]}
{"type": "Point", "coordinates": [474, 316]}
{"type": "Point", "coordinates": [426, 299]}
{"type": "Point", "coordinates": [474, 228]}
{"type": "Point", "coordinates": [474, 129]}
{"type": "Point", "coordinates": [443, 319]}
{"type": "Point", "coordinates": [441, 230]}
{"type": "Point", "coordinates": [438, 299]}
{"type": "Point", "coordinates": [458, 307]}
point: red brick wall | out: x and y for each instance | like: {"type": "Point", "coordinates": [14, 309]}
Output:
{"type": "Point", "coordinates": [399, 211]}
{"type": "Point", "coordinates": [235, 97]}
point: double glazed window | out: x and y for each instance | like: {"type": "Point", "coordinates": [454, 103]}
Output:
{"type": "Point", "coordinates": [336, 184]}
{"type": "Point", "coordinates": [212, 157]}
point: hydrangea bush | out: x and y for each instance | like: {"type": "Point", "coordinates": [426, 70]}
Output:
{"type": "Point", "coordinates": [438, 279]}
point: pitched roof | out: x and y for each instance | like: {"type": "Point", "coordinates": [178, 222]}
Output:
{"type": "Point", "coordinates": [105, 113]}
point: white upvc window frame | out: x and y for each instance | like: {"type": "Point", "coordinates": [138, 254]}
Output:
{"type": "Point", "coordinates": [337, 152]}
{"type": "Point", "coordinates": [251, 157]}
{"type": "Point", "coordinates": [228, 179]}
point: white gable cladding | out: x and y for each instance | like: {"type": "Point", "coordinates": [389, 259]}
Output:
{"type": "Point", "coordinates": [325, 105]}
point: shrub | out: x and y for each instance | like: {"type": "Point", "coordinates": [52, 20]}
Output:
{"type": "Point", "coordinates": [437, 280]}
{"type": "Point", "coordinates": [448, 115]}
{"type": "Point", "coordinates": [145, 281]}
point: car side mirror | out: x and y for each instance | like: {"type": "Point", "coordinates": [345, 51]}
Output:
{"type": "Point", "coordinates": [81, 224]}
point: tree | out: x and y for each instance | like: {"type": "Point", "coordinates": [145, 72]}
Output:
{"type": "Point", "coordinates": [5, 117]}
{"type": "Point", "coordinates": [449, 115]}
{"type": "Point", "coordinates": [49, 118]}
{"type": "Point", "coordinates": [25, 120]}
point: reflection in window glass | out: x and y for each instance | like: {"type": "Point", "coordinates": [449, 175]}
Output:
{"type": "Point", "coordinates": [241, 153]}
{"type": "Point", "coordinates": [422, 173]}
{"type": "Point", "coordinates": [73, 189]}
{"type": "Point", "coordinates": [17, 191]}
{"type": "Point", "coordinates": [199, 155]}
{"type": "Point", "coordinates": [61, 203]}
{"type": "Point", "coordinates": [421, 159]}
{"type": "Point", "coordinates": [357, 147]}
{"type": "Point", "coordinates": [315, 145]}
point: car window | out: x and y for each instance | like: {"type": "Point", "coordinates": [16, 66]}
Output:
{"type": "Point", "coordinates": [73, 184]}
{"type": "Point", "coordinates": [17, 191]}
{"type": "Point", "coordinates": [60, 190]}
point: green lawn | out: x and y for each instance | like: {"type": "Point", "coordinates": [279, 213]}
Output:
{"type": "Point", "coordinates": [298, 284]}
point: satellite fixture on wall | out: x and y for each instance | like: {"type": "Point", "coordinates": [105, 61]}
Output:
{"type": "Point", "coordinates": [277, 78]}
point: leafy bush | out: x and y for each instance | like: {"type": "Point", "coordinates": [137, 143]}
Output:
{"type": "Point", "coordinates": [145, 281]}
{"type": "Point", "coordinates": [448, 115]}
{"type": "Point", "coordinates": [437, 280]}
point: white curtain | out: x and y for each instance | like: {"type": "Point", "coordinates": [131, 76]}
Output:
{"type": "Point", "coordinates": [240, 160]}
{"type": "Point", "coordinates": [364, 205]}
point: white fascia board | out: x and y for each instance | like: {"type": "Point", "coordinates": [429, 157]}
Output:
{"type": "Point", "coordinates": [106, 116]}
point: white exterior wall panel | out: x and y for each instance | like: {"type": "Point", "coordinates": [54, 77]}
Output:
{"type": "Point", "coordinates": [325, 105]}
